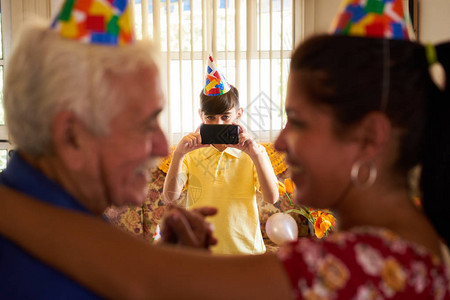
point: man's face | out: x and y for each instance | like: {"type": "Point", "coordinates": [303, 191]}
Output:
{"type": "Point", "coordinates": [135, 140]}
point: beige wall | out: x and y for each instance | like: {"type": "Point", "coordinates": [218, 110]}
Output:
{"type": "Point", "coordinates": [434, 18]}
{"type": "Point", "coordinates": [325, 11]}
{"type": "Point", "coordinates": [21, 10]}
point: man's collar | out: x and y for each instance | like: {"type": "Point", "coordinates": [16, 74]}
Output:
{"type": "Point", "coordinates": [24, 177]}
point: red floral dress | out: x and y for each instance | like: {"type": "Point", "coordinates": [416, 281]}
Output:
{"type": "Point", "coordinates": [364, 263]}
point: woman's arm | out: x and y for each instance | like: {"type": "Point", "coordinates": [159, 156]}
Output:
{"type": "Point", "coordinates": [117, 265]}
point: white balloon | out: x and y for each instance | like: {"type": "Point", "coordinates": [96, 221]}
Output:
{"type": "Point", "coordinates": [281, 228]}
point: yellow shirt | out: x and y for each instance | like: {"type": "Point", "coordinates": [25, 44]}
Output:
{"type": "Point", "coordinates": [228, 181]}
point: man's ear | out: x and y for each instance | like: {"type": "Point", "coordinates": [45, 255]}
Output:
{"type": "Point", "coordinates": [68, 134]}
{"type": "Point", "coordinates": [373, 132]}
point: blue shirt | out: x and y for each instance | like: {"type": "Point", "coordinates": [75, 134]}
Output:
{"type": "Point", "coordinates": [21, 275]}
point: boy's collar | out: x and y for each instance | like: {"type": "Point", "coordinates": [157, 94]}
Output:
{"type": "Point", "coordinates": [231, 151]}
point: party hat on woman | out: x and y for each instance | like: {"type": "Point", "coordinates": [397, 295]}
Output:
{"type": "Point", "coordinates": [373, 18]}
{"type": "Point", "coordinates": [216, 83]}
{"type": "Point", "coordinates": [105, 22]}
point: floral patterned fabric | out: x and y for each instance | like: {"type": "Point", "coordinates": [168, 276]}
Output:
{"type": "Point", "coordinates": [143, 220]}
{"type": "Point", "coordinates": [364, 263]}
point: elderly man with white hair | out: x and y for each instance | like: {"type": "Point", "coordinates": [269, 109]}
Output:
{"type": "Point", "coordinates": [84, 119]}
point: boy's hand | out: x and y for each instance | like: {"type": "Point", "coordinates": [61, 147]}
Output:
{"type": "Point", "coordinates": [188, 228]}
{"type": "Point", "coordinates": [190, 142]}
{"type": "Point", "coordinates": [246, 143]}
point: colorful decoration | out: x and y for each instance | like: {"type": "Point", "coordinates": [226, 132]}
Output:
{"type": "Point", "coordinates": [322, 220]}
{"type": "Point", "coordinates": [373, 18]}
{"type": "Point", "coordinates": [157, 234]}
{"type": "Point", "coordinates": [105, 22]}
{"type": "Point", "coordinates": [216, 83]}
{"type": "Point", "coordinates": [281, 228]}
{"type": "Point", "coordinates": [286, 188]}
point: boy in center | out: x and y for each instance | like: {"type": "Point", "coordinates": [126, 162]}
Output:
{"type": "Point", "coordinates": [223, 175]}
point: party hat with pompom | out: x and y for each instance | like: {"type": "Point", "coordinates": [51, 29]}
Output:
{"type": "Point", "coordinates": [104, 22]}
{"type": "Point", "coordinates": [216, 83]}
{"type": "Point", "coordinates": [373, 18]}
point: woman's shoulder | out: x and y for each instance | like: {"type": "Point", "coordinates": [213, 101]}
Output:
{"type": "Point", "coordinates": [364, 260]}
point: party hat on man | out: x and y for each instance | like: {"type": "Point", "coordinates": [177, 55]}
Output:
{"type": "Point", "coordinates": [105, 22]}
{"type": "Point", "coordinates": [373, 18]}
{"type": "Point", "coordinates": [216, 83]}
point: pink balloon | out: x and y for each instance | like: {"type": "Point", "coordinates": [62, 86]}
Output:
{"type": "Point", "coordinates": [281, 228]}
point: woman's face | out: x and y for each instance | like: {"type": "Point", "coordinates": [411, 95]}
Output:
{"type": "Point", "coordinates": [320, 161]}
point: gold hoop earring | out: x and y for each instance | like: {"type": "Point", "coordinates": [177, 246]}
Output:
{"type": "Point", "coordinates": [354, 175]}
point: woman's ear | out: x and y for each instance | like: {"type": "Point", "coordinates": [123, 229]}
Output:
{"type": "Point", "coordinates": [373, 132]}
{"type": "Point", "coordinates": [69, 135]}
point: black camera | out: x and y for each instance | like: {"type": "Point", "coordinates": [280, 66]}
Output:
{"type": "Point", "coordinates": [219, 134]}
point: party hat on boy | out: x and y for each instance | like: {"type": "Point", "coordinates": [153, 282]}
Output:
{"type": "Point", "coordinates": [373, 18]}
{"type": "Point", "coordinates": [105, 22]}
{"type": "Point", "coordinates": [216, 83]}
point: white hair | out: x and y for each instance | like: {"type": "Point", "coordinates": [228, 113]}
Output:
{"type": "Point", "coordinates": [47, 74]}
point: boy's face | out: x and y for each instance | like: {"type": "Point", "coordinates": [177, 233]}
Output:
{"type": "Point", "coordinates": [228, 117]}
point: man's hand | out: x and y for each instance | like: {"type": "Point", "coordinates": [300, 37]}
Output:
{"type": "Point", "coordinates": [188, 228]}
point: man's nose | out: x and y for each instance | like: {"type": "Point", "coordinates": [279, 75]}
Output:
{"type": "Point", "coordinates": [160, 145]}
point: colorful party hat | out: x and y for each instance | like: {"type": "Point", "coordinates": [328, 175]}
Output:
{"type": "Point", "coordinates": [216, 83]}
{"type": "Point", "coordinates": [373, 18]}
{"type": "Point", "coordinates": [106, 22]}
